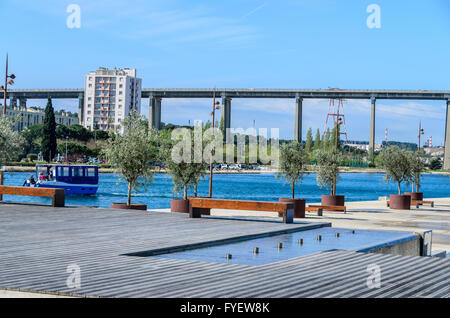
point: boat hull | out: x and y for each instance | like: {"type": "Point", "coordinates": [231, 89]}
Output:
{"type": "Point", "coordinates": [71, 189]}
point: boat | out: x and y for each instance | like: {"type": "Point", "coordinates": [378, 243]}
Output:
{"type": "Point", "coordinates": [75, 179]}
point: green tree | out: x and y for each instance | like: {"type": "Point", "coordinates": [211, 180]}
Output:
{"type": "Point", "coordinates": [11, 142]}
{"type": "Point", "coordinates": [397, 165]}
{"type": "Point", "coordinates": [334, 136]}
{"type": "Point", "coordinates": [33, 138]}
{"type": "Point", "coordinates": [292, 164]}
{"type": "Point", "coordinates": [417, 163]}
{"type": "Point", "coordinates": [328, 172]}
{"type": "Point", "coordinates": [48, 146]}
{"type": "Point", "coordinates": [132, 152]}
{"type": "Point", "coordinates": [326, 140]}
{"type": "Point", "coordinates": [74, 148]}
{"type": "Point", "coordinates": [317, 144]}
{"type": "Point", "coordinates": [180, 158]}
{"type": "Point", "coordinates": [309, 141]}
{"type": "Point", "coordinates": [435, 164]}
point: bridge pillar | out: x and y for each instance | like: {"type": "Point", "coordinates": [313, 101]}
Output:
{"type": "Point", "coordinates": [372, 127]}
{"type": "Point", "coordinates": [298, 119]}
{"type": "Point", "coordinates": [447, 138]}
{"type": "Point", "coordinates": [154, 112]}
{"type": "Point", "coordinates": [81, 109]}
{"type": "Point", "coordinates": [22, 102]}
{"type": "Point", "coordinates": [12, 100]}
{"type": "Point", "coordinates": [226, 117]}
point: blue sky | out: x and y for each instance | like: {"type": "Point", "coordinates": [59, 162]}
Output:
{"type": "Point", "coordinates": [244, 44]}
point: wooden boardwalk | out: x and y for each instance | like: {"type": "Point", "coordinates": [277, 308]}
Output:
{"type": "Point", "coordinates": [39, 243]}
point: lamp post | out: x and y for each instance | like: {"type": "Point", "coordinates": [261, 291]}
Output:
{"type": "Point", "coordinates": [5, 87]}
{"type": "Point", "coordinates": [421, 132]}
{"type": "Point", "coordinates": [213, 113]}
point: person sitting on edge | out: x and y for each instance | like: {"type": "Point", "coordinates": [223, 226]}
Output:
{"type": "Point", "coordinates": [29, 181]}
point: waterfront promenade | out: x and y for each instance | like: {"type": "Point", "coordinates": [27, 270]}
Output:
{"type": "Point", "coordinates": [41, 242]}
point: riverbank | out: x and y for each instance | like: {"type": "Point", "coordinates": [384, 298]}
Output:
{"type": "Point", "coordinates": [265, 171]}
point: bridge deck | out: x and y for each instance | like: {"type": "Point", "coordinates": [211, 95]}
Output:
{"type": "Point", "coordinates": [247, 93]}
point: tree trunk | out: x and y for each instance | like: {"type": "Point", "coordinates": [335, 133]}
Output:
{"type": "Point", "coordinates": [333, 187]}
{"type": "Point", "coordinates": [417, 185]}
{"type": "Point", "coordinates": [399, 189]}
{"type": "Point", "coordinates": [195, 190]}
{"type": "Point", "coordinates": [129, 194]}
{"type": "Point", "coordinates": [293, 190]}
{"type": "Point", "coordinates": [185, 192]}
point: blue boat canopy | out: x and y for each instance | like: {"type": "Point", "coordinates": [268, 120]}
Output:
{"type": "Point", "coordinates": [74, 174]}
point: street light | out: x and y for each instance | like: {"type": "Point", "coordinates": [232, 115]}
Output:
{"type": "Point", "coordinates": [5, 87]}
{"type": "Point", "coordinates": [421, 132]}
{"type": "Point", "coordinates": [213, 113]}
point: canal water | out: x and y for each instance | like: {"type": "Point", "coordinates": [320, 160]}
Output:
{"type": "Point", "coordinates": [260, 187]}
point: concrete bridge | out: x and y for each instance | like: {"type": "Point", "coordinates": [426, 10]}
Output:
{"type": "Point", "coordinates": [155, 96]}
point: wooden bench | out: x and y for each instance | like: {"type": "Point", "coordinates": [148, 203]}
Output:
{"type": "Point", "coordinates": [321, 208]}
{"type": "Point", "coordinates": [422, 202]}
{"type": "Point", "coordinates": [197, 205]}
{"type": "Point", "coordinates": [58, 195]}
{"type": "Point", "coordinates": [413, 203]}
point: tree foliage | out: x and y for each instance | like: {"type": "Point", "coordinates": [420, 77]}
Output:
{"type": "Point", "coordinates": [49, 145]}
{"type": "Point", "coordinates": [292, 164]}
{"type": "Point", "coordinates": [328, 171]}
{"type": "Point", "coordinates": [435, 164]}
{"type": "Point", "coordinates": [317, 143]}
{"type": "Point", "coordinates": [180, 156]}
{"type": "Point", "coordinates": [397, 165]}
{"type": "Point", "coordinates": [417, 163]}
{"type": "Point", "coordinates": [11, 142]}
{"type": "Point", "coordinates": [309, 141]}
{"type": "Point", "coordinates": [132, 152]}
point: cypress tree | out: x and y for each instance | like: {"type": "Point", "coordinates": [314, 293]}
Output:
{"type": "Point", "coordinates": [49, 145]}
{"type": "Point", "coordinates": [326, 140]}
{"type": "Point", "coordinates": [317, 140]}
{"type": "Point", "coordinates": [309, 141]}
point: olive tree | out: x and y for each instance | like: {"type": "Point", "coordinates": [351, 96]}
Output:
{"type": "Point", "coordinates": [184, 161]}
{"type": "Point", "coordinates": [11, 142]}
{"type": "Point", "coordinates": [131, 153]}
{"type": "Point", "coordinates": [292, 164]}
{"type": "Point", "coordinates": [397, 165]}
{"type": "Point", "coordinates": [417, 163]}
{"type": "Point", "coordinates": [328, 168]}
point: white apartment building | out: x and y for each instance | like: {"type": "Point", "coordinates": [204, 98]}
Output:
{"type": "Point", "coordinates": [109, 96]}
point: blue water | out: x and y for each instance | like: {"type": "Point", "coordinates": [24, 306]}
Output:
{"type": "Point", "coordinates": [242, 252]}
{"type": "Point", "coordinates": [261, 187]}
